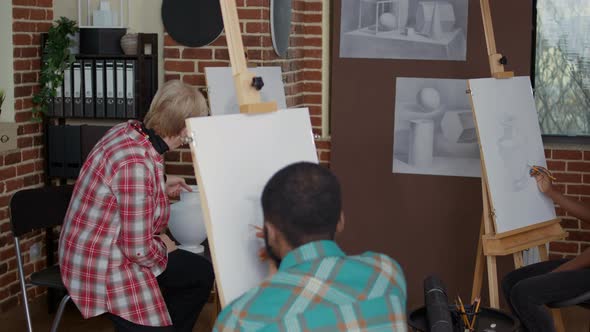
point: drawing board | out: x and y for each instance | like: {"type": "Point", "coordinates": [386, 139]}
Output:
{"type": "Point", "coordinates": [510, 140]}
{"type": "Point", "coordinates": [434, 132]}
{"type": "Point", "coordinates": [234, 156]}
{"type": "Point", "coordinates": [404, 29]}
{"type": "Point", "coordinates": [222, 90]}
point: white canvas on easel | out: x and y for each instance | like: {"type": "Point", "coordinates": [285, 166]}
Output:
{"type": "Point", "coordinates": [222, 91]}
{"type": "Point", "coordinates": [510, 140]}
{"type": "Point", "coordinates": [234, 156]}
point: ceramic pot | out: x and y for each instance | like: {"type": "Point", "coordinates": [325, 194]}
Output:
{"type": "Point", "coordinates": [129, 44]}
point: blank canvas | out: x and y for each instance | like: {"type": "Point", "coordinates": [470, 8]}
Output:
{"type": "Point", "coordinates": [510, 140]}
{"type": "Point", "coordinates": [234, 156]}
{"type": "Point", "coordinates": [222, 91]}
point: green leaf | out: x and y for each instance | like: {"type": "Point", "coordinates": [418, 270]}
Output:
{"type": "Point", "coordinates": [55, 58]}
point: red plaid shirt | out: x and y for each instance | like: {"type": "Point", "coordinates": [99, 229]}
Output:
{"type": "Point", "coordinates": [109, 252]}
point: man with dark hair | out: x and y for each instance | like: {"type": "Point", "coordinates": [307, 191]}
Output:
{"type": "Point", "coordinates": [316, 287]}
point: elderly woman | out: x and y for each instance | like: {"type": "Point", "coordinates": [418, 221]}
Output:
{"type": "Point", "coordinates": [112, 255]}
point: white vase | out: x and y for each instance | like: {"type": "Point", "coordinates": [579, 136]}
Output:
{"type": "Point", "coordinates": [187, 223]}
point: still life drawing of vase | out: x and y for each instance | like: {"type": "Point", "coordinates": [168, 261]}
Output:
{"type": "Point", "coordinates": [512, 150]}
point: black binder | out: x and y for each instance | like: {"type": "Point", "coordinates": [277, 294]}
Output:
{"type": "Point", "coordinates": [68, 97]}
{"type": "Point", "coordinates": [58, 104]}
{"type": "Point", "coordinates": [111, 105]}
{"type": "Point", "coordinates": [78, 97]}
{"type": "Point", "coordinates": [130, 89]}
{"type": "Point", "coordinates": [72, 150]}
{"type": "Point", "coordinates": [56, 150]}
{"type": "Point", "coordinates": [120, 86]}
{"type": "Point", "coordinates": [88, 88]}
{"type": "Point", "coordinates": [100, 105]}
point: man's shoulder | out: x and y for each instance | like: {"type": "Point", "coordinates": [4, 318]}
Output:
{"type": "Point", "coordinates": [257, 300]}
{"type": "Point", "coordinates": [378, 261]}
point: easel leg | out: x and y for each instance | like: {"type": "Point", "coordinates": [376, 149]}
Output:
{"type": "Point", "coordinates": [493, 282]}
{"type": "Point", "coordinates": [479, 265]}
{"type": "Point", "coordinates": [518, 260]}
{"type": "Point", "coordinates": [556, 313]}
{"type": "Point", "coordinates": [543, 253]}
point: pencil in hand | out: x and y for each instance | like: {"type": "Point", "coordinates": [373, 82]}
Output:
{"type": "Point", "coordinates": [541, 170]}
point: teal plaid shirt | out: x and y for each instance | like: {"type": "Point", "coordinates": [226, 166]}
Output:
{"type": "Point", "coordinates": [319, 288]}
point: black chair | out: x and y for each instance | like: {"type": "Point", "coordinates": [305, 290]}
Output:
{"type": "Point", "coordinates": [33, 209]}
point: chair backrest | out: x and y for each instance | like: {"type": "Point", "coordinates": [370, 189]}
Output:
{"type": "Point", "coordinates": [37, 208]}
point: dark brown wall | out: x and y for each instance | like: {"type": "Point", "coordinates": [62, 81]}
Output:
{"type": "Point", "coordinates": [429, 224]}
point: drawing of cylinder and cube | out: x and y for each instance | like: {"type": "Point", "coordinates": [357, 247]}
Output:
{"type": "Point", "coordinates": [377, 16]}
{"type": "Point", "coordinates": [421, 143]}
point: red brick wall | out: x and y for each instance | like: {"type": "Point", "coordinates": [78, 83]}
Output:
{"type": "Point", "coordinates": [22, 168]}
{"type": "Point", "coordinates": [302, 68]}
{"type": "Point", "coordinates": [572, 170]}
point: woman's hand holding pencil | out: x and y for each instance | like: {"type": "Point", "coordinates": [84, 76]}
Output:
{"type": "Point", "coordinates": [544, 178]}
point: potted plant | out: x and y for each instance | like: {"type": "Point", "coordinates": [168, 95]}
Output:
{"type": "Point", "coordinates": [56, 58]}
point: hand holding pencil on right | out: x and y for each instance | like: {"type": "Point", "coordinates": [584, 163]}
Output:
{"type": "Point", "coordinates": [544, 179]}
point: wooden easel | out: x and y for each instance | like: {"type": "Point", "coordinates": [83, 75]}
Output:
{"type": "Point", "coordinates": [247, 85]}
{"type": "Point", "coordinates": [514, 242]}
{"type": "Point", "coordinates": [248, 88]}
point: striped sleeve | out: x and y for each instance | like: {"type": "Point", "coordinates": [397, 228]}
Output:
{"type": "Point", "coordinates": [132, 186]}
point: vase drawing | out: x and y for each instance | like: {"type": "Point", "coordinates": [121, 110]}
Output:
{"type": "Point", "coordinates": [513, 153]}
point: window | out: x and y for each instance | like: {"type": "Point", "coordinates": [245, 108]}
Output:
{"type": "Point", "coordinates": [562, 66]}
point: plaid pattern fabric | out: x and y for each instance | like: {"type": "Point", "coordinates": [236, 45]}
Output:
{"type": "Point", "coordinates": [108, 253]}
{"type": "Point", "coordinates": [318, 288]}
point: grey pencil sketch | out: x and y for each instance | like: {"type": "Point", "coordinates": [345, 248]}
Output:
{"type": "Point", "coordinates": [512, 149]}
{"type": "Point", "coordinates": [434, 131]}
{"type": "Point", "coordinates": [404, 29]}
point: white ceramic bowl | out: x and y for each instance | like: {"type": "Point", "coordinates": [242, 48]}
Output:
{"type": "Point", "coordinates": [186, 221]}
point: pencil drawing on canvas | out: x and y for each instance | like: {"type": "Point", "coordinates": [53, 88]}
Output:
{"type": "Point", "coordinates": [404, 29]}
{"type": "Point", "coordinates": [434, 131]}
{"type": "Point", "coordinates": [512, 149]}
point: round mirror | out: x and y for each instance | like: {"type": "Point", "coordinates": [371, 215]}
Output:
{"type": "Point", "coordinates": [280, 25]}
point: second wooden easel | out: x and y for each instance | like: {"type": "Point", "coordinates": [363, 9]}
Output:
{"type": "Point", "coordinates": [247, 85]}
{"type": "Point", "coordinates": [490, 244]}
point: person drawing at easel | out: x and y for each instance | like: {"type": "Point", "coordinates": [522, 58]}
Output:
{"type": "Point", "coordinates": [529, 288]}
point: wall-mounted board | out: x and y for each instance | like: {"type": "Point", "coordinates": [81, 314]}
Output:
{"type": "Point", "coordinates": [394, 213]}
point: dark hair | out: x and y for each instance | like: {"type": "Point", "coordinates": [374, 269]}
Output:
{"type": "Point", "coordinates": [303, 201]}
